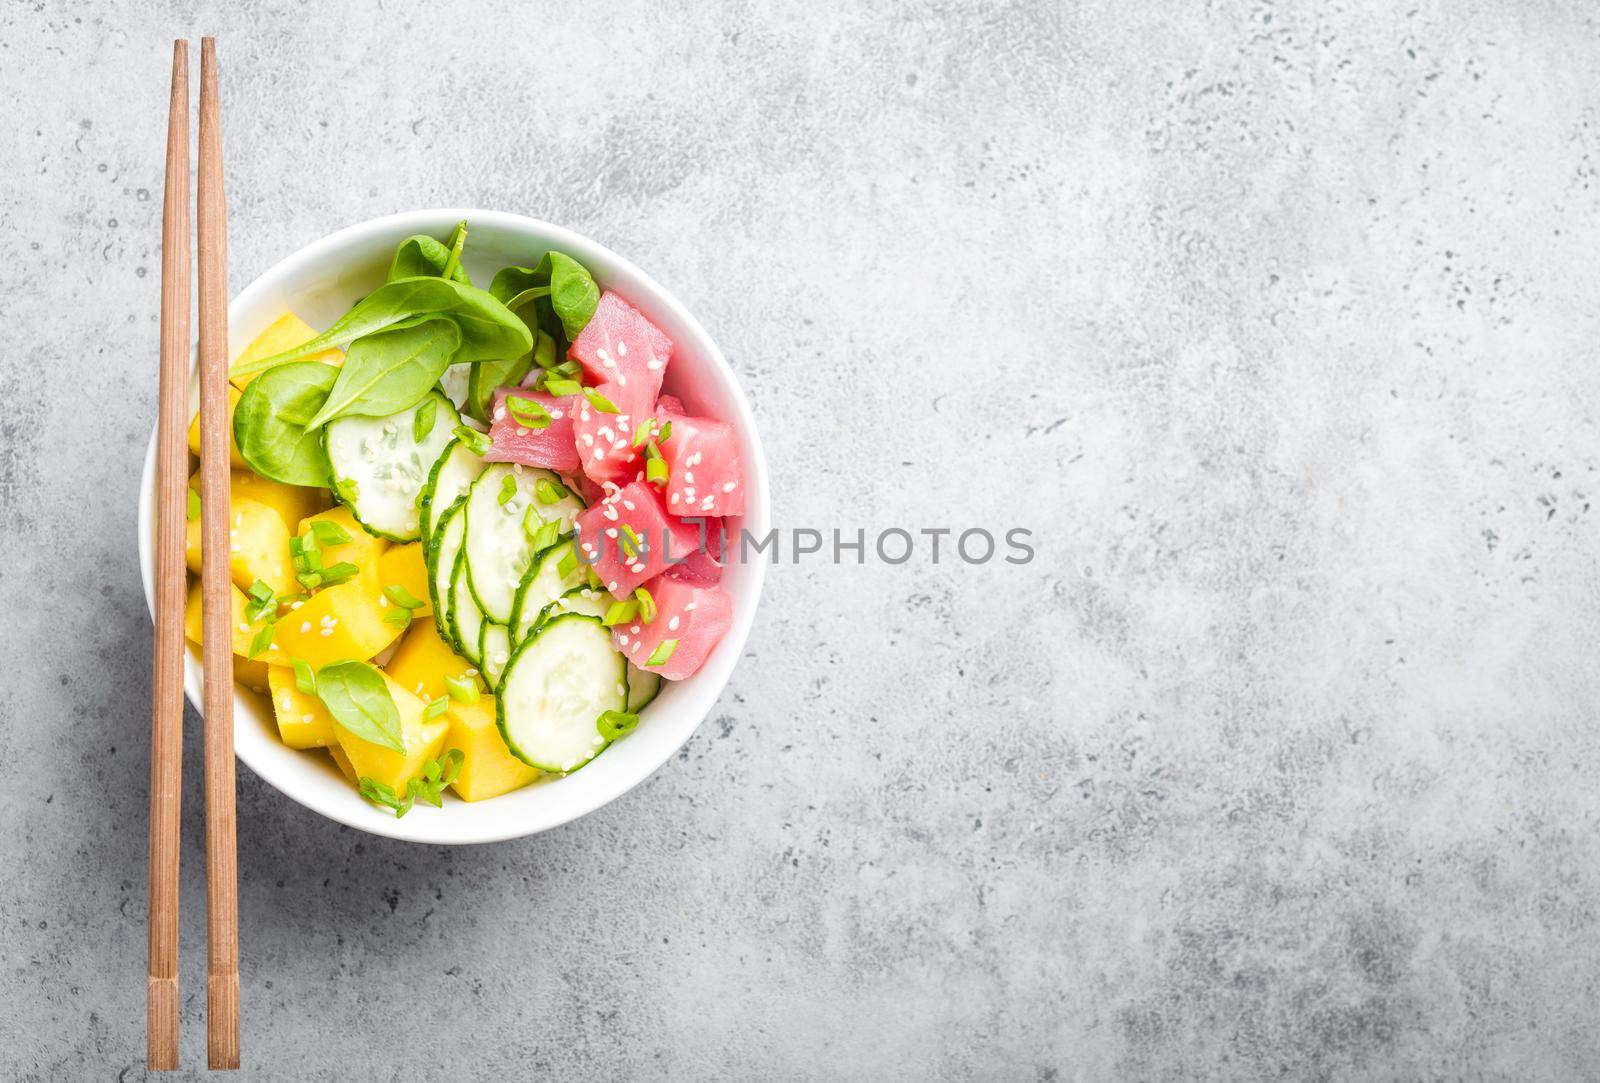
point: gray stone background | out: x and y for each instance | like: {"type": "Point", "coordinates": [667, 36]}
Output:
{"type": "Point", "coordinates": [1275, 322]}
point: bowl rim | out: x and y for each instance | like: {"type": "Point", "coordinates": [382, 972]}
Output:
{"type": "Point", "coordinates": [432, 829]}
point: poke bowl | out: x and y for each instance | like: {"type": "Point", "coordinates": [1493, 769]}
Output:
{"type": "Point", "coordinates": [452, 623]}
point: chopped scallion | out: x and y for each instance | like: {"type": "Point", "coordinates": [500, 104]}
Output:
{"type": "Point", "coordinates": [542, 533]}
{"type": "Point", "coordinates": [647, 605]}
{"type": "Point", "coordinates": [338, 573]}
{"type": "Point", "coordinates": [620, 613]}
{"type": "Point", "coordinates": [662, 652]}
{"type": "Point", "coordinates": [508, 489]}
{"type": "Point", "coordinates": [476, 442]}
{"type": "Point", "coordinates": [563, 386]}
{"type": "Point", "coordinates": [330, 533]}
{"type": "Point", "coordinates": [194, 505]}
{"type": "Point", "coordinates": [549, 492]}
{"type": "Point", "coordinates": [528, 413]}
{"type": "Point", "coordinates": [600, 402]}
{"type": "Point", "coordinates": [402, 597]}
{"type": "Point", "coordinates": [614, 724]}
{"type": "Point", "coordinates": [263, 639]}
{"type": "Point", "coordinates": [305, 678]}
{"type": "Point", "coordinates": [422, 421]}
{"type": "Point", "coordinates": [436, 707]}
{"type": "Point", "coordinates": [462, 689]}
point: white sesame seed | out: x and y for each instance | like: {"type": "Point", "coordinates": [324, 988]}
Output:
{"type": "Point", "coordinates": [305, 626]}
{"type": "Point", "coordinates": [622, 348]}
{"type": "Point", "coordinates": [327, 632]}
{"type": "Point", "coordinates": [730, 486]}
{"type": "Point", "coordinates": [672, 625]}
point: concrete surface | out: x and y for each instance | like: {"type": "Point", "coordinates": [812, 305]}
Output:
{"type": "Point", "coordinates": [1276, 322]}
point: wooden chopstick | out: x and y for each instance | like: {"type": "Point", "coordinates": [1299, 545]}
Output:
{"type": "Point", "coordinates": [222, 876]}
{"type": "Point", "coordinates": [166, 710]}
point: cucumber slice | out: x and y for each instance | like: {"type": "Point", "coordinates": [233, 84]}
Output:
{"type": "Point", "coordinates": [590, 601]}
{"type": "Point", "coordinates": [555, 688]}
{"type": "Point", "coordinates": [442, 551]}
{"type": "Point", "coordinates": [498, 548]}
{"type": "Point", "coordinates": [378, 466]}
{"type": "Point", "coordinates": [450, 477]}
{"type": "Point", "coordinates": [542, 585]}
{"type": "Point", "coordinates": [643, 685]}
{"type": "Point", "coordinates": [466, 619]}
{"type": "Point", "coordinates": [494, 647]}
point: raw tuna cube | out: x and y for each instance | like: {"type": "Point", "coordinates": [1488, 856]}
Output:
{"type": "Point", "coordinates": [669, 404]}
{"type": "Point", "coordinates": [618, 345]}
{"type": "Point", "coordinates": [707, 478]}
{"type": "Point", "coordinates": [514, 442]}
{"type": "Point", "coordinates": [605, 441]}
{"type": "Point", "coordinates": [696, 617]}
{"type": "Point", "coordinates": [605, 541]}
{"type": "Point", "coordinates": [704, 566]}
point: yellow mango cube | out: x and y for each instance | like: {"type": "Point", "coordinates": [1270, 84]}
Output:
{"type": "Point", "coordinates": [284, 333]}
{"type": "Point", "coordinates": [252, 673]}
{"type": "Point", "coordinates": [293, 503]}
{"type": "Point", "coordinates": [234, 458]}
{"type": "Point", "coordinates": [260, 546]}
{"type": "Point", "coordinates": [423, 739]}
{"type": "Point", "coordinates": [403, 566]}
{"type": "Point", "coordinates": [422, 661]}
{"type": "Point", "coordinates": [243, 631]}
{"type": "Point", "coordinates": [362, 549]}
{"type": "Point", "coordinates": [343, 761]}
{"type": "Point", "coordinates": [337, 623]}
{"type": "Point", "coordinates": [489, 769]}
{"type": "Point", "coordinates": [303, 722]}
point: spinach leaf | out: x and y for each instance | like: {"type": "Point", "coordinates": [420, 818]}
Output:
{"type": "Point", "coordinates": [393, 371]}
{"type": "Point", "coordinates": [359, 700]}
{"type": "Point", "coordinates": [488, 328]}
{"type": "Point", "coordinates": [423, 255]}
{"type": "Point", "coordinates": [270, 423]}
{"type": "Point", "coordinates": [573, 293]}
{"type": "Point", "coordinates": [418, 256]}
{"type": "Point", "coordinates": [561, 285]}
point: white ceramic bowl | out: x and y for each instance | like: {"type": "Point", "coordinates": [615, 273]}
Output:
{"type": "Point", "coordinates": [320, 282]}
